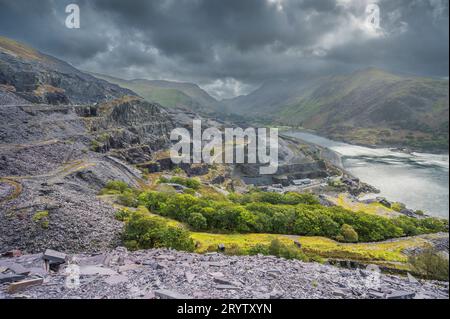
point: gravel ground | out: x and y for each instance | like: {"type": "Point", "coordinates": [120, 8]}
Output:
{"type": "Point", "coordinates": [170, 274]}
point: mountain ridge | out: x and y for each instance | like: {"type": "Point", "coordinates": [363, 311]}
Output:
{"type": "Point", "coordinates": [27, 74]}
{"type": "Point", "coordinates": [370, 106]}
{"type": "Point", "coordinates": [170, 94]}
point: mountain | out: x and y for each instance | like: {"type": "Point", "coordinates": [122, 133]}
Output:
{"type": "Point", "coordinates": [63, 136]}
{"type": "Point", "coordinates": [370, 106]}
{"type": "Point", "coordinates": [27, 75]}
{"type": "Point", "coordinates": [169, 94]}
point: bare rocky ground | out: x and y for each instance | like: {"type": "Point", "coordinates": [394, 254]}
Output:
{"type": "Point", "coordinates": [50, 175]}
{"type": "Point", "coordinates": [169, 274]}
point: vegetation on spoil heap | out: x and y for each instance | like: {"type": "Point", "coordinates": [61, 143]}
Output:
{"type": "Point", "coordinates": [187, 182]}
{"type": "Point", "coordinates": [144, 230]}
{"type": "Point", "coordinates": [127, 196]}
{"type": "Point", "coordinates": [41, 218]}
{"type": "Point", "coordinates": [259, 222]}
{"type": "Point", "coordinates": [430, 264]}
{"type": "Point", "coordinates": [290, 214]}
{"type": "Point", "coordinates": [300, 217]}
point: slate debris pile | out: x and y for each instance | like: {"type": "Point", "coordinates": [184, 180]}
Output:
{"type": "Point", "coordinates": [168, 274]}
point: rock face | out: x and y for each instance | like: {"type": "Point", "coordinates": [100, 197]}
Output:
{"type": "Point", "coordinates": [55, 156]}
{"type": "Point", "coordinates": [39, 78]}
{"type": "Point", "coordinates": [171, 275]}
{"type": "Point", "coordinates": [49, 164]}
{"type": "Point", "coordinates": [131, 127]}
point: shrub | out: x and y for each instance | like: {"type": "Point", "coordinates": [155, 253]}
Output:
{"type": "Point", "coordinates": [259, 249]}
{"type": "Point", "coordinates": [278, 249]}
{"type": "Point", "coordinates": [197, 221]}
{"type": "Point", "coordinates": [176, 238]}
{"type": "Point", "coordinates": [143, 231]}
{"type": "Point", "coordinates": [234, 250]}
{"type": "Point", "coordinates": [123, 214]}
{"type": "Point", "coordinates": [398, 207]}
{"type": "Point", "coordinates": [420, 212]}
{"type": "Point", "coordinates": [154, 201]}
{"type": "Point", "coordinates": [189, 191]}
{"type": "Point", "coordinates": [117, 186]}
{"type": "Point", "coordinates": [188, 182]}
{"type": "Point", "coordinates": [296, 198]}
{"type": "Point", "coordinates": [431, 265]}
{"type": "Point", "coordinates": [128, 198]}
{"type": "Point", "coordinates": [349, 234]}
{"type": "Point", "coordinates": [41, 218]}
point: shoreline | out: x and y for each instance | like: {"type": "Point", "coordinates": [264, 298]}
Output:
{"type": "Point", "coordinates": [337, 159]}
{"type": "Point", "coordinates": [393, 147]}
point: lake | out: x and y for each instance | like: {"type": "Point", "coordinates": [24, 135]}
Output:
{"type": "Point", "coordinates": [419, 180]}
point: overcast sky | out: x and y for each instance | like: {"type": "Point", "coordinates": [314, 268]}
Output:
{"type": "Point", "coordinates": [229, 47]}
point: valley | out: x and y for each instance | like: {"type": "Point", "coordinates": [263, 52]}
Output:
{"type": "Point", "coordinates": [369, 107]}
{"type": "Point", "coordinates": [85, 170]}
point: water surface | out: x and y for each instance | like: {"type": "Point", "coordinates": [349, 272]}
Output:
{"type": "Point", "coordinates": [419, 180]}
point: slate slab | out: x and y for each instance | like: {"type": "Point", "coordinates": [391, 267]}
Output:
{"type": "Point", "coordinates": [227, 287]}
{"type": "Point", "coordinates": [22, 285]}
{"type": "Point", "coordinates": [54, 256]}
{"type": "Point", "coordinates": [18, 269]}
{"type": "Point", "coordinates": [169, 294]}
{"type": "Point", "coordinates": [401, 295]}
{"type": "Point", "coordinates": [7, 278]}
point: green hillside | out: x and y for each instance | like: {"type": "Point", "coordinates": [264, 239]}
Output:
{"type": "Point", "coordinates": [367, 107]}
{"type": "Point", "coordinates": [168, 94]}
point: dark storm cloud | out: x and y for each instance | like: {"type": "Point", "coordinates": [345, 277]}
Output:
{"type": "Point", "coordinates": [230, 46]}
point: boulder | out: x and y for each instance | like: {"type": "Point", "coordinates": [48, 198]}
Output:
{"type": "Point", "coordinates": [54, 257]}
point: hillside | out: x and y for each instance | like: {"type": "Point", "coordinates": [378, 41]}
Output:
{"type": "Point", "coordinates": [369, 107]}
{"type": "Point", "coordinates": [59, 129]}
{"type": "Point", "coordinates": [169, 94]}
{"type": "Point", "coordinates": [29, 76]}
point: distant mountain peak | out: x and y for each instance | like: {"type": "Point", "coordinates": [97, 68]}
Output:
{"type": "Point", "coordinates": [368, 106]}
{"type": "Point", "coordinates": [170, 94]}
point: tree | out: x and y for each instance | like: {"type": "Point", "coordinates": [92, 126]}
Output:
{"type": "Point", "coordinates": [198, 221]}
{"type": "Point", "coordinates": [398, 207]}
{"type": "Point", "coordinates": [349, 234]}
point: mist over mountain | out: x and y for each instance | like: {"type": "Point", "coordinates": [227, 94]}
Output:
{"type": "Point", "coordinates": [370, 106]}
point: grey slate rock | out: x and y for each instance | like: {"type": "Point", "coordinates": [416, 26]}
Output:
{"type": "Point", "coordinates": [54, 256]}
{"type": "Point", "coordinates": [227, 287]}
{"type": "Point", "coordinates": [169, 294]}
{"type": "Point", "coordinates": [18, 269]}
{"type": "Point", "coordinates": [401, 295]}
{"type": "Point", "coordinates": [7, 278]}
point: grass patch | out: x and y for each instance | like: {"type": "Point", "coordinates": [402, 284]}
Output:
{"type": "Point", "coordinates": [41, 218]}
{"type": "Point", "coordinates": [373, 208]}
